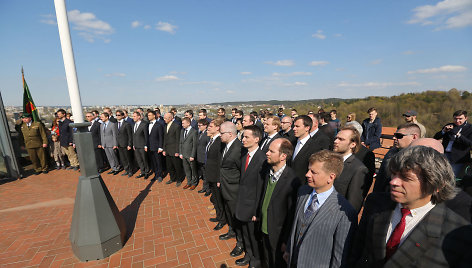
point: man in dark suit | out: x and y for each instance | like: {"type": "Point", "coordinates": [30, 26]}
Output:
{"type": "Point", "coordinates": [271, 127]}
{"type": "Point", "coordinates": [306, 145]}
{"type": "Point", "coordinates": [367, 158]}
{"type": "Point", "coordinates": [66, 139]}
{"type": "Point", "coordinates": [353, 180]}
{"type": "Point", "coordinates": [325, 127]}
{"type": "Point", "coordinates": [94, 129]}
{"type": "Point", "coordinates": [457, 141]}
{"type": "Point", "coordinates": [257, 120]}
{"type": "Point", "coordinates": [155, 144]}
{"type": "Point", "coordinates": [176, 119]}
{"type": "Point", "coordinates": [250, 187]}
{"type": "Point", "coordinates": [188, 153]}
{"type": "Point", "coordinates": [212, 171]}
{"type": "Point", "coordinates": [372, 130]}
{"type": "Point", "coordinates": [171, 150]}
{"type": "Point", "coordinates": [286, 129]}
{"type": "Point", "coordinates": [202, 114]}
{"type": "Point", "coordinates": [411, 226]}
{"type": "Point", "coordinates": [249, 120]}
{"type": "Point", "coordinates": [108, 111]}
{"type": "Point", "coordinates": [324, 220]}
{"type": "Point", "coordinates": [127, 119]}
{"type": "Point", "coordinates": [277, 205]}
{"type": "Point", "coordinates": [322, 139]}
{"type": "Point", "coordinates": [193, 122]}
{"type": "Point", "coordinates": [203, 140]}
{"type": "Point", "coordinates": [125, 143]}
{"type": "Point", "coordinates": [230, 173]}
{"type": "Point", "coordinates": [140, 142]}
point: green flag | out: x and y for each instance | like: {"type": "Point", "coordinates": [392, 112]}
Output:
{"type": "Point", "coordinates": [28, 103]}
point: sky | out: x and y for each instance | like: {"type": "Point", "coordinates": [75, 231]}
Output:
{"type": "Point", "coordinates": [205, 51]}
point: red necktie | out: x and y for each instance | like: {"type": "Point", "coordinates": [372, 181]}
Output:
{"type": "Point", "coordinates": [247, 161]}
{"type": "Point", "coordinates": [394, 239]}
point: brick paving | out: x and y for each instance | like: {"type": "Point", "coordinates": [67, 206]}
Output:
{"type": "Point", "coordinates": [170, 226]}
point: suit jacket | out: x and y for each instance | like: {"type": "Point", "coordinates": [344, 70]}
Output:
{"type": "Point", "coordinates": [112, 119]}
{"type": "Point", "coordinates": [66, 133]}
{"type": "Point", "coordinates": [368, 159]}
{"type": "Point", "coordinates": [289, 135]}
{"type": "Point", "coordinates": [460, 152]}
{"type": "Point", "coordinates": [281, 207]}
{"type": "Point", "coordinates": [141, 135]}
{"type": "Point", "coordinates": [35, 135]}
{"type": "Point", "coordinates": [95, 130]}
{"type": "Point", "coordinates": [327, 238]}
{"type": "Point", "coordinates": [352, 181]}
{"type": "Point", "coordinates": [230, 171]}
{"type": "Point", "coordinates": [441, 239]}
{"type": "Point", "coordinates": [194, 124]}
{"type": "Point", "coordinates": [130, 121]}
{"type": "Point", "coordinates": [156, 137]}
{"type": "Point", "coordinates": [318, 142]}
{"type": "Point", "coordinates": [203, 140]}
{"type": "Point", "coordinates": [371, 133]}
{"type": "Point", "coordinates": [213, 161]}
{"type": "Point", "coordinates": [108, 134]}
{"type": "Point", "coordinates": [124, 137]}
{"type": "Point", "coordinates": [188, 145]}
{"type": "Point", "coordinates": [250, 187]}
{"type": "Point", "coordinates": [329, 131]}
{"type": "Point", "coordinates": [266, 146]}
{"type": "Point", "coordinates": [172, 138]}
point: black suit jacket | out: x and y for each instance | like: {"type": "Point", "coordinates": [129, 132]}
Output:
{"type": "Point", "coordinates": [367, 157]}
{"type": "Point", "coordinates": [461, 147]}
{"type": "Point", "coordinates": [329, 131]}
{"type": "Point", "coordinates": [172, 139]}
{"type": "Point", "coordinates": [230, 171]}
{"type": "Point", "coordinates": [266, 146]}
{"type": "Point", "coordinates": [203, 140]}
{"type": "Point", "coordinates": [156, 137]}
{"type": "Point", "coordinates": [289, 135]}
{"type": "Point", "coordinates": [352, 181]}
{"type": "Point", "coordinates": [441, 239]}
{"type": "Point", "coordinates": [250, 187]}
{"type": "Point", "coordinates": [281, 209]}
{"type": "Point", "coordinates": [65, 133]}
{"type": "Point", "coordinates": [141, 136]}
{"type": "Point", "coordinates": [112, 119]}
{"type": "Point", "coordinates": [213, 161]}
{"type": "Point", "coordinates": [95, 130]}
{"type": "Point", "coordinates": [125, 135]}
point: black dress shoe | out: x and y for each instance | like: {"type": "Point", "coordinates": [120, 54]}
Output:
{"type": "Point", "coordinates": [214, 220]}
{"type": "Point", "coordinates": [140, 175]}
{"type": "Point", "coordinates": [159, 179]}
{"type": "Point", "coordinates": [130, 174]}
{"type": "Point", "coordinates": [219, 226]}
{"type": "Point", "coordinates": [237, 251]}
{"type": "Point", "coordinates": [169, 181]}
{"type": "Point", "coordinates": [227, 236]}
{"type": "Point", "coordinates": [207, 193]}
{"type": "Point", "coordinates": [146, 176]}
{"type": "Point", "coordinates": [201, 191]}
{"type": "Point", "coordinates": [125, 174]}
{"type": "Point", "coordinates": [111, 172]}
{"type": "Point", "coordinates": [116, 172]}
{"type": "Point", "coordinates": [45, 172]}
{"type": "Point", "coordinates": [242, 262]}
{"type": "Point", "coordinates": [36, 173]}
{"type": "Point", "coordinates": [178, 184]}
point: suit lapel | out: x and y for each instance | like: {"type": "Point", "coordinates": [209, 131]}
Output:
{"type": "Point", "coordinates": [228, 152]}
{"type": "Point", "coordinates": [379, 232]}
{"type": "Point", "coordinates": [303, 150]}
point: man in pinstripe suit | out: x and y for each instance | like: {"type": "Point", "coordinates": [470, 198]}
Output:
{"type": "Point", "coordinates": [324, 220]}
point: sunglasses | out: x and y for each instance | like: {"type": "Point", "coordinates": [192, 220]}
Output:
{"type": "Point", "coordinates": [400, 136]}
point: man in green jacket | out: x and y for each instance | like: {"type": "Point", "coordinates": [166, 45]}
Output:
{"type": "Point", "coordinates": [34, 134]}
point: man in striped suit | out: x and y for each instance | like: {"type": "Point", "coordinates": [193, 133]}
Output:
{"type": "Point", "coordinates": [324, 220]}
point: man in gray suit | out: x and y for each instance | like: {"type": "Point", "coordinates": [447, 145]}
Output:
{"type": "Point", "coordinates": [108, 135]}
{"type": "Point", "coordinates": [324, 220]}
{"type": "Point", "coordinates": [188, 153]}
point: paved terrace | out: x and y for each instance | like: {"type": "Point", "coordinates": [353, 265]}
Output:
{"type": "Point", "coordinates": [169, 226]}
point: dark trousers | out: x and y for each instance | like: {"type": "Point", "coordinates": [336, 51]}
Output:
{"type": "Point", "coordinates": [100, 158]}
{"type": "Point", "coordinates": [234, 224]}
{"type": "Point", "coordinates": [250, 243]}
{"type": "Point", "coordinates": [217, 200]}
{"type": "Point", "coordinates": [175, 169]}
{"type": "Point", "coordinates": [201, 176]}
{"type": "Point", "coordinates": [156, 163]}
{"type": "Point", "coordinates": [123, 152]}
{"type": "Point", "coordinates": [141, 158]}
{"type": "Point", "coordinates": [273, 257]}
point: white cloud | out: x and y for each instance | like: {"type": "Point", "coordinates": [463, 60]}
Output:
{"type": "Point", "coordinates": [115, 75]}
{"type": "Point", "coordinates": [408, 52]}
{"type": "Point", "coordinates": [319, 63]}
{"type": "Point", "coordinates": [338, 35]}
{"type": "Point", "coordinates": [49, 19]}
{"type": "Point", "coordinates": [89, 27]}
{"type": "Point", "coordinates": [282, 63]}
{"type": "Point", "coordinates": [378, 84]}
{"type": "Point", "coordinates": [446, 14]}
{"type": "Point", "coordinates": [201, 83]}
{"type": "Point", "coordinates": [147, 27]}
{"type": "Point", "coordinates": [376, 61]}
{"type": "Point", "coordinates": [292, 74]}
{"type": "Point", "coordinates": [135, 24]}
{"type": "Point", "coordinates": [245, 73]}
{"type": "Point", "coordinates": [230, 91]}
{"type": "Point", "coordinates": [319, 34]}
{"type": "Point", "coordinates": [297, 84]}
{"type": "Point", "coordinates": [442, 69]}
{"type": "Point", "coordinates": [340, 69]}
{"type": "Point", "coordinates": [166, 27]}
{"type": "Point", "coordinates": [167, 78]}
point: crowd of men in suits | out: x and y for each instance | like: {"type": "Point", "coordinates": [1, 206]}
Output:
{"type": "Point", "coordinates": [291, 188]}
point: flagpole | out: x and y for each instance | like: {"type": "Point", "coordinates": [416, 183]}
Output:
{"type": "Point", "coordinates": [69, 63]}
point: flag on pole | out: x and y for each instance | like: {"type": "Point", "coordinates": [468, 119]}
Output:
{"type": "Point", "coordinates": [28, 103]}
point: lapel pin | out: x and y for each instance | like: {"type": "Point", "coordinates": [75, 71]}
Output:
{"type": "Point", "coordinates": [417, 244]}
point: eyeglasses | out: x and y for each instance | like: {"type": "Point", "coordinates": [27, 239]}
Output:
{"type": "Point", "coordinates": [119, 115]}
{"type": "Point", "coordinates": [224, 132]}
{"type": "Point", "coordinates": [285, 122]}
{"type": "Point", "coordinates": [400, 136]}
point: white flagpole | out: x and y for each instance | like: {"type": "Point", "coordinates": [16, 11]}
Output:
{"type": "Point", "coordinates": [69, 63]}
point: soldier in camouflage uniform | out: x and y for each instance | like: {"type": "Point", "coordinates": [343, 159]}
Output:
{"type": "Point", "coordinates": [34, 134]}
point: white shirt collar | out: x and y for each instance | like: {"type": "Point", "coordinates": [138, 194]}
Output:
{"type": "Point", "coordinates": [216, 136]}
{"type": "Point", "coordinates": [314, 132]}
{"type": "Point", "coordinates": [346, 157]}
{"type": "Point", "coordinates": [271, 136]}
{"type": "Point", "coordinates": [304, 140]}
{"type": "Point", "coordinates": [230, 143]}
{"type": "Point", "coordinates": [251, 154]}
{"type": "Point", "coordinates": [189, 127]}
